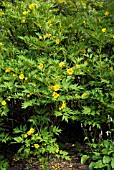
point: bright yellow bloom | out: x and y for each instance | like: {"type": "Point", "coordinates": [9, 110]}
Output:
{"type": "Point", "coordinates": [73, 144]}
{"type": "Point", "coordinates": [77, 66]}
{"type": "Point", "coordinates": [106, 13]}
{"type": "Point", "coordinates": [1, 13]}
{"type": "Point", "coordinates": [25, 135]}
{"type": "Point", "coordinates": [8, 70]}
{"type": "Point", "coordinates": [103, 29]}
{"type": "Point", "coordinates": [21, 76]}
{"type": "Point", "coordinates": [48, 35]}
{"type": "Point", "coordinates": [31, 6]}
{"type": "Point", "coordinates": [85, 62]}
{"type": "Point", "coordinates": [25, 13]}
{"type": "Point", "coordinates": [28, 95]}
{"type": "Point", "coordinates": [57, 41]}
{"type": "Point", "coordinates": [84, 95]}
{"type": "Point", "coordinates": [70, 71]}
{"type": "Point", "coordinates": [49, 21]}
{"type": "Point", "coordinates": [23, 21]}
{"type": "Point", "coordinates": [63, 105]}
{"type": "Point", "coordinates": [55, 95]}
{"type": "Point", "coordinates": [113, 36]}
{"type": "Point", "coordinates": [40, 37]}
{"type": "Point", "coordinates": [4, 103]}
{"type": "Point", "coordinates": [56, 87]}
{"type": "Point", "coordinates": [61, 64]}
{"type": "Point", "coordinates": [36, 146]}
{"type": "Point", "coordinates": [57, 151]}
{"type": "Point", "coordinates": [1, 43]}
{"type": "Point", "coordinates": [41, 65]}
{"type": "Point", "coordinates": [111, 68]}
{"type": "Point", "coordinates": [31, 131]}
{"type": "Point", "coordinates": [70, 25]}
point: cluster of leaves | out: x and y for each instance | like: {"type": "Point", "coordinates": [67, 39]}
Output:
{"type": "Point", "coordinates": [56, 62]}
{"type": "Point", "coordinates": [102, 155]}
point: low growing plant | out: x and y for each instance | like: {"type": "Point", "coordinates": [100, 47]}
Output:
{"type": "Point", "coordinates": [56, 65]}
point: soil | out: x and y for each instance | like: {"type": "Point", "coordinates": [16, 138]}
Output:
{"type": "Point", "coordinates": [71, 140]}
{"type": "Point", "coordinates": [55, 164]}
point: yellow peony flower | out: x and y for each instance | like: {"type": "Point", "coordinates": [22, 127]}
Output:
{"type": "Point", "coordinates": [57, 41]}
{"type": "Point", "coordinates": [55, 95]}
{"type": "Point", "coordinates": [32, 130]}
{"type": "Point", "coordinates": [4, 103]}
{"type": "Point", "coordinates": [29, 132]}
{"type": "Point", "coordinates": [106, 13]}
{"type": "Point", "coordinates": [23, 21]}
{"type": "Point", "coordinates": [111, 68]}
{"type": "Point", "coordinates": [85, 62]}
{"type": "Point", "coordinates": [48, 35]}
{"type": "Point", "coordinates": [36, 146]}
{"type": "Point", "coordinates": [1, 13]}
{"type": "Point", "coordinates": [70, 25]}
{"type": "Point", "coordinates": [41, 65]}
{"type": "Point", "coordinates": [70, 71]}
{"type": "Point", "coordinates": [1, 43]}
{"type": "Point", "coordinates": [63, 105]}
{"type": "Point", "coordinates": [61, 64]}
{"type": "Point", "coordinates": [8, 70]}
{"type": "Point", "coordinates": [56, 87]}
{"type": "Point", "coordinates": [84, 95]}
{"type": "Point", "coordinates": [113, 36]}
{"type": "Point", "coordinates": [103, 29]}
{"type": "Point", "coordinates": [40, 37]}
{"type": "Point", "coordinates": [28, 95]}
{"type": "Point", "coordinates": [49, 21]}
{"type": "Point", "coordinates": [31, 6]}
{"type": "Point", "coordinates": [57, 151]}
{"type": "Point", "coordinates": [25, 135]}
{"type": "Point", "coordinates": [21, 76]}
{"type": "Point", "coordinates": [25, 12]}
{"type": "Point", "coordinates": [77, 66]}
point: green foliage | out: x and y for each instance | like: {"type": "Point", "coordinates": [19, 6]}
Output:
{"type": "Point", "coordinates": [102, 155]}
{"type": "Point", "coordinates": [56, 65]}
{"type": "Point", "coordinates": [3, 163]}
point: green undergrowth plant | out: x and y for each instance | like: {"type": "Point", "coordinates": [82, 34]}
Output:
{"type": "Point", "coordinates": [56, 65]}
{"type": "Point", "coordinates": [3, 163]}
{"type": "Point", "coordinates": [101, 155]}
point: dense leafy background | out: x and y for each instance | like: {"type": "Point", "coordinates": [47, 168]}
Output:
{"type": "Point", "coordinates": [57, 63]}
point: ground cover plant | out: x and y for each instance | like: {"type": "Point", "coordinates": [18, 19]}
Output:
{"type": "Point", "coordinates": [57, 60]}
